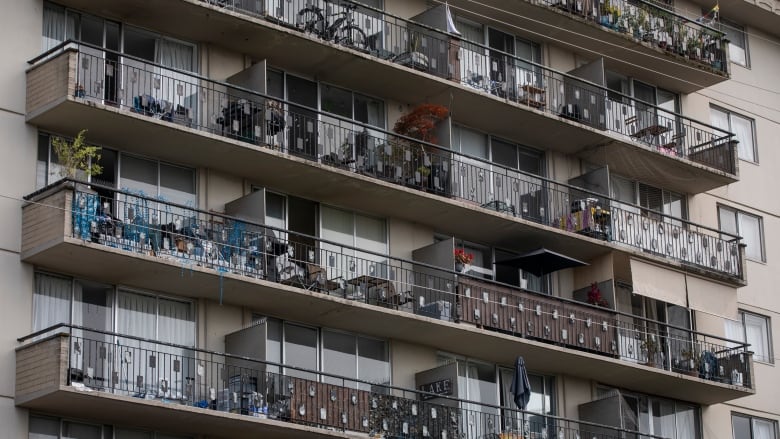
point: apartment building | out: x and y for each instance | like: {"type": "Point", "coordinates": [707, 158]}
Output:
{"type": "Point", "coordinates": [322, 219]}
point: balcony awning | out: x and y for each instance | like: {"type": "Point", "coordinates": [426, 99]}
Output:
{"type": "Point", "coordinates": [658, 283]}
{"type": "Point", "coordinates": [712, 297]}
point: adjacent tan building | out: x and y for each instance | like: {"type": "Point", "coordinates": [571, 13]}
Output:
{"type": "Point", "coordinates": [335, 219]}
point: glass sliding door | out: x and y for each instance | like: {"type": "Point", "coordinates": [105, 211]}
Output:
{"type": "Point", "coordinates": [303, 133]}
{"type": "Point", "coordinates": [300, 350]}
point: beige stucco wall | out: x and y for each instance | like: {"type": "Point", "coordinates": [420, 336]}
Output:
{"type": "Point", "coordinates": [408, 359]}
{"type": "Point", "coordinates": [18, 148]}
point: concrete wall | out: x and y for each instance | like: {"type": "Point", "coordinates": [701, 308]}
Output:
{"type": "Point", "coordinates": [20, 42]}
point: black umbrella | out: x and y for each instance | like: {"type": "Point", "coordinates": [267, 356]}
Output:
{"type": "Point", "coordinates": [541, 261]}
{"type": "Point", "coordinates": [521, 388]}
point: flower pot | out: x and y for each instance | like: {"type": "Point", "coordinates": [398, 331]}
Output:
{"type": "Point", "coordinates": [460, 267]}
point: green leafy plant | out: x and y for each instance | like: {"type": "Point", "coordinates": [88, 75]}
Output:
{"type": "Point", "coordinates": [77, 155]}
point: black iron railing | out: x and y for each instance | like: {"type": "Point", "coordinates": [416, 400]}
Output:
{"type": "Point", "coordinates": [255, 118]}
{"type": "Point", "coordinates": [151, 370]}
{"type": "Point", "coordinates": [391, 37]}
{"type": "Point", "coordinates": [194, 238]}
{"type": "Point", "coordinates": [191, 100]}
{"type": "Point", "coordinates": [509, 77]}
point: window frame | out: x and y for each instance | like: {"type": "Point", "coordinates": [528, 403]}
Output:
{"type": "Point", "coordinates": [114, 308]}
{"type": "Point", "coordinates": [737, 213]}
{"type": "Point", "coordinates": [752, 420]}
{"type": "Point", "coordinates": [753, 132]}
{"type": "Point", "coordinates": [320, 336]}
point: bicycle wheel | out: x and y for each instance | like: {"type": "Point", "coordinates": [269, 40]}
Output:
{"type": "Point", "coordinates": [352, 36]}
{"type": "Point", "coordinates": [310, 20]}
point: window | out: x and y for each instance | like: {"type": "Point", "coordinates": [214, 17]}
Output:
{"type": "Point", "coordinates": [748, 226]}
{"type": "Point", "coordinates": [170, 183]}
{"type": "Point", "coordinates": [755, 330]}
{"type": "Point", "coordinates": [743, 129]}
{"type": "Point", "coordinates": [356, 106]}
{"type": "Point", "coordinates": [59, 299]}
{"type": "Point", "coordinates": [48, 169]}
{"type": "Point", "coordinates": [353, 230]}
{"type": "Point", "coordinates": [749, 427]}
{"type": "Point", "coordinates": [649, 197]}
{"type": "Point", "coordinates": [355, 357]}
{"type": "Point", "coordinates": [738, 44]}
{"type": "Point", "coordinates": [335, 352]}
{"type": "Point", "coordinates": [660, 417]}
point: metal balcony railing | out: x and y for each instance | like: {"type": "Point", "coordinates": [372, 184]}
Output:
{"type": "Point", "coordinates": [391, 37]}
{"type": "Point", "coordinates": [151, 370]}
{"type": "Point", "coordinates": [192, 238]}
{"type": "Point", "coordinates": [237, 113]}
{"type": "Point", "coordinates": [509, 77]}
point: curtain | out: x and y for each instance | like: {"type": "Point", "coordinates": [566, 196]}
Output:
{"type": "Point", "coordinates": [756, 335]}
{"type": "Point", "coordinates": [686, 422]}
{"type": "Point", "coordinates": [750, 229]}
{"type": "Point", "coordinates": [176, 322]}
{"type": "Point", "coordinates": [58, 26]}
{"type": "Point", "coordinates": [136, 315]}
{"type": "Point", "coordinates": [743, 129]}
{"type": "Point", "coordinates": [175, 55]}
{"type": "Point", "coordinates": [763, 429]}
{"type": "Point", "coordinates": [51, 301]}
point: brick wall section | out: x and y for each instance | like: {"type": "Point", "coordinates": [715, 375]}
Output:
{"type": "Point", "coordinates": [51, 80]}
{"type": "Point", "coordinates": [45, 222]}
{"type": "Point", "coordinates": [41, 368]}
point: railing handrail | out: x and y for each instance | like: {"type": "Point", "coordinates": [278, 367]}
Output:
{"type": "Point", "coordinates": [71, 327]}
{"type": "Point", "coordinates": [439, 148]}
{"type": "Point", "coordinates": [283, 232]}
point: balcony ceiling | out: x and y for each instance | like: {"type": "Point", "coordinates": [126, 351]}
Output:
{"type": "Point", "coordinates": [116, 266]}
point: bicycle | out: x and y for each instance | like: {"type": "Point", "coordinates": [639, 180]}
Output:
{"type": "Point", "coordinates": [342, 31]}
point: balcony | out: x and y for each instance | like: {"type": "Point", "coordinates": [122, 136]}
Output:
{"type": "Point", "coordinates": [644, 36]}
{"type": "Point", "coordinates": [111, 377]}
{"type": "Point", "coordinates": [557, 112]}
{"type": "Point", "coordinates": [126, 238]}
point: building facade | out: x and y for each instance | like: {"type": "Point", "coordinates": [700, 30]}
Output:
{"type": "Point", "coordinates": [337, 219]}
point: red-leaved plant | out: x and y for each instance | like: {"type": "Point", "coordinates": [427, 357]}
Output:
{"type": "Point", "coordinates": [595, 297]}
{"type": "Point", "coordinates": [421, 121]}
{"type": "Point", "coordinates": [463, 257]}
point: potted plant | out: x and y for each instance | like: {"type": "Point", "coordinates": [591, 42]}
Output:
{"type": "Point", "coordinates": [651, 347]}
{"type": "Point", "coordinates": [462, 259]}
{"type": "Point", "coordinates": [690, 362]}
{"type": "Point", "coordinates": [595, 297]}
{"type": "Point", "coordinates": [77, 158]}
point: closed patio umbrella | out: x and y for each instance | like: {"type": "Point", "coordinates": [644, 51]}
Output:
{"type": "Point", "coordinates": [541, 261]}
{"type": "Point", "coordinates": [521, 387]}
